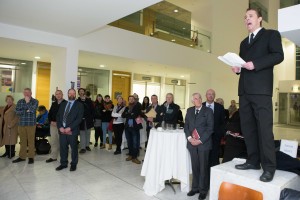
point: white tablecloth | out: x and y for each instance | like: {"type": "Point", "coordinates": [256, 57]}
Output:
{"type": "Point", "coordinates": [166, 157]}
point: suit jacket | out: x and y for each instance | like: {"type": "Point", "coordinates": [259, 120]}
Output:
{"type": "Point", "coordinates": [170, 115]}
{"type": "Point", "coordinates": [9, 118]}
{"type": "Point", "coordinates": [74, 117]}
{"type": "Point", "coordinates": [88, 113]}
{"type": "Point", "coordinates": [203, 123]}
{"type": "Point", "coordinates": [219, 120]}
{"type": "Point", "coordinates": [265, 51]}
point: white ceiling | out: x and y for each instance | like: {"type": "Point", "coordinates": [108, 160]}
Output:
{"type": "Point", "coordinates": [67, 17]}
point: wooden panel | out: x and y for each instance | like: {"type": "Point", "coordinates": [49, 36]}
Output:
{"type": "Point", "coordinates": [43, 83]}
{"type": "Point", "coordinates": [121, 83]}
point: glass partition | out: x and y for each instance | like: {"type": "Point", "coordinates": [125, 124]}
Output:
{"type": "Point", "coordinates": [15, 76]}
{"type": "Point", "coordinates": [96, 81]}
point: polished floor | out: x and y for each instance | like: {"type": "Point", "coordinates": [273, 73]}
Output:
{"type": "Point", "coordinates": [100, 175]}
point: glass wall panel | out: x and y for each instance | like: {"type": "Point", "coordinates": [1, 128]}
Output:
{"type": "Point", "coordinates": [294, 109]}
{"type": "Point", "coordinates": [96, 81]}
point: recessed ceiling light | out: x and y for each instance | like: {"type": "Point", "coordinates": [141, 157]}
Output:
{"type": "Point", "coordinates": [37, 57]}
{"type": "Point", "coordinates": [173, 40]}
{"type": "Point", "coordinates": [183, 28]}
{"type": "Point", "coordinates": [23, 63]}
{"type": "Point", "coordinates": [102, 66]}
{"type": "Point", "coordinates": [175, 10]}
{"type": "Point", "coordinates": [191, 45]}
{"type": "Point", "coordinates": [182, 76]}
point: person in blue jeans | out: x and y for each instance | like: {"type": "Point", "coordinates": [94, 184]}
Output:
{"type": "Point", "coordinates": [132, 128]}
{"type": "Point", "coordinates": [106, 118]}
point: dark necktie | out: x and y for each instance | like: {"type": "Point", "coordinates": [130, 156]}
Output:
{"type": "Point", "coordinates": [197, 112]}
{"type": "Point", "coordinates": [66, 113]}
{"type": "Point", "coordinates": [251, 38]}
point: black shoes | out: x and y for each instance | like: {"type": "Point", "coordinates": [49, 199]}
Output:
{"type": "Point", "coordinates": [4, 155]}
{"type": "Point", "coordinates": [30, 161]}
{"type": "Point", "coordinates": [60, 167]}
{"type": "Point", "coordinates": [266, 176]}
{"type": "Point", "coordinates": [88, 148]}
{"type": "Point", "coordinates": [117, 152]}
{"type": "Point", "coordinates": [82, 151]}
{"type": "Point", "coordinates": [202, 196]}
{"type": "Point", "coordinates": [246, 166]}
{"type": "Point", "coordinates": [18, 160]}
{"type": "Point", "coordinates": [73, 168]}
{"type": "Point", "coordinates": [192, 193]}
{"type": "Point", "coordinates": [96, 144]}
{"type": "Point", "coordinates": [50, 160]}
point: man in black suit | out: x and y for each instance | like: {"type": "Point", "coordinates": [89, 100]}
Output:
{"type": "Point", "coordinates": [198, 128]}
{"type": "Point", "coordinates": [261, 51]}
{"type": "Point", "coordinates": [68, 120]}
{"type": "Point", "coordinates": [150, 120]}
{"type": "Point", "coordinates": [219, 120]}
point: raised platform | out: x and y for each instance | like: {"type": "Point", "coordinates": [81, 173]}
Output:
{"type": "Point", "coordinates": [250, 178]}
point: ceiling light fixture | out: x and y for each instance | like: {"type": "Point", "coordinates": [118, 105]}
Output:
{"type": "Point", "coordinates": [23, 63]}
{"type": "Point", "coordinates": [175, 11]}
{"type": "Point", "coordinates": [102, 66]}
{"type": "Point", "coordinates": [182, 76]}
{"type": "Point", "coordinates": [173, 40]}
{"type": "Point", "coordinates": [191, 45]}
{"type": "Point", "coordinates": [183, 28]}
{"type": "Point", "coordinates": [37, 57]}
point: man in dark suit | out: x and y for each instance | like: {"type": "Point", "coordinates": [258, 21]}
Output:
{"type": "Point", "coordinates": [198, 128]}
{"type": "Point", "coordinates": [68, 120]}
{"type": "Point", "coordinates": [261, 51]}
{"type": "Point", "coordinates": [219, 120]}
{"type": "Point", "coordinates": [150, 120]}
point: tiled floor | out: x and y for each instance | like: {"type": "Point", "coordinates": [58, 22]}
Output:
{"type": "Point", "coordinates": [100, 175]}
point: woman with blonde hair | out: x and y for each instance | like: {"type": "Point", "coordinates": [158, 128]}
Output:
{"type": "Point", "coordinates": [9, 127]}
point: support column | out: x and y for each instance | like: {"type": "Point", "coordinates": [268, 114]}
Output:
{"type": "Point", "coordinates": [64, 67]}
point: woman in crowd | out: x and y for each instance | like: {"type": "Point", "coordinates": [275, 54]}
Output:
{"type": "Point", "coordinates": [232, 108]}
{"type": "Point", "coordinates": [9, 127]}
{"type": "Point", "coordinates": [106, 118]}
{"type": "Point", "coordinates": [98, 120]}
{"type": "Point", "coordinates": [118, 123]}
{"type": "Point", "coordinates": [145, 104]}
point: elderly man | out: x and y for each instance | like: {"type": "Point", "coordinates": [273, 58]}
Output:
{"type": "Point", "coordinates": [198, 128]}
{"type": "Point", "coordinates": [170, 110]}
{"type": "Point", "coordinates": [26, 110]}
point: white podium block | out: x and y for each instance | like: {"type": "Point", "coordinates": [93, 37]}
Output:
{"type": "Point", "coordinates": [250, 178]}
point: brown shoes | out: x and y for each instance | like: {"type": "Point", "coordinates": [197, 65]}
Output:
{"type": "Point", "coordinates": [102, 146]}
{"type": "Point", "coordinates": [136, 161]}
{"type": "Point", "coordinates": [129, 158]}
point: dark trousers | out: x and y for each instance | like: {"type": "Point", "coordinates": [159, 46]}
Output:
{"type": "Point", "coordinates": [200, 169]}
{"type": "Point", "coordinates": [132, 136]}
{"type": "Point", "coordinates": [65, 141]}
{"type": "Point", "coordinates": [118, 131]}
{"type": "Point", "coordinates": [256, 115]}
{"type": "Point", "coordinates": [148, 134]}
{"type": "Point", "coordinates": [215, 151]}
{"type": "Point", "coordinates": [10, 150]}
{"type": "Point", "coordinates": [98, 133]}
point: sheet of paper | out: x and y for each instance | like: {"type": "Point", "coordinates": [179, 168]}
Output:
{"type": "Point", "coordinates": [232, 59]}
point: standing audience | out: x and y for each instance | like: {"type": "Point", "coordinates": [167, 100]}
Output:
{"type": "Point", "coordinates": [87, 121]}
{"type": "Point", "coordinates": [54, 142]}
{"type": "Point", "coordinates": [69, 118]}
{"type": "Point", "coordinates": [9, 127]}
{"type": "Point", "coordinates": [106, 120]}
{"type": "Point", "coordinates": [219, 118]}
{"type": "Point", "coordinates": [98, 105]}
{"type": "Point", "coordinates": [132, 128]}
{"type": "Point", "coordinates": [26, 110]}
{"type": "Point", "coordinates": [118, 123]}
{"type": "Point", "coordinates": [199, 127]}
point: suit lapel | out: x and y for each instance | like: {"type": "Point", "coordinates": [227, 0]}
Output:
{"type": "Point", "coordinates": [257, 37]}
